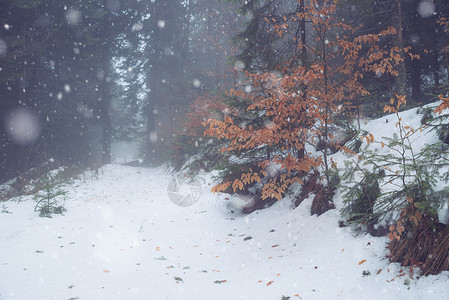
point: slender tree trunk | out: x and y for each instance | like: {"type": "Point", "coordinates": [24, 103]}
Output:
{"type": "Point", "coordinates": [327, 111]}
{"type": "Point", "coordinates": [400, 80]}
{"type": "Point", "coordinates": [416, 67]}
{"type": "Point", "coordinates": [151, 131]}
{"type": "Point", "coordinates": [435, 62]}
{"type": "Point", "coordinates": [303, 35]}
{"type": "Point", "coordinates": [186, 41]}
{"type": "Point", "coordinates": [431, 29]}
{"type": "Point", "coordinates": [304, 62]}
{"type": "Point", "coordinates": [107, 126]}
{"type": "Point", "coordinates": [436, 68]}
{"type": "Point", "coordinates": [447, 66]}
{"type": "Point", "coordinates": [105, 115]}
{"type": "Point", "coordinates": [416, 80]}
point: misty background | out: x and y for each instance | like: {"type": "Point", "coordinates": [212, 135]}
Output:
{"type": "Point", "coordinates": [78, 78]}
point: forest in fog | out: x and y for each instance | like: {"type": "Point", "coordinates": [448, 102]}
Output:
{"type": "Point", "coordinates": [245, 117]}
{"type": "Point", "coordinates": [78, 75]}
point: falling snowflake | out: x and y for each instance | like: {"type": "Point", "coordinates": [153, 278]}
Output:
{"type": "Point", "coordinates": [137, 26]}
{"type": "Point", "coordinates": [161, 24]}
{"type": "Point", "coordinates": [426, 8]}
{"type": "Point", "coordinates": [197, 83]}
{"type": "Point", "coordinates": [22, 126]}
{"type": "Point", "coordinates": [73, 16]}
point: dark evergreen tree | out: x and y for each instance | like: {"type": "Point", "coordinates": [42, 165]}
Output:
{"type": "Point", "coordinates": [53, 65]}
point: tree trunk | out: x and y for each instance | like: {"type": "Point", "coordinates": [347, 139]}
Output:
{"type": "Point", "coordinates": [400, 86]}
{"type": "Point", "coordinates": [436, 68]}
{"type": "Point", "coordinates": [447, 67]}
{"type": "Point", "coordinates": [435, 62]}
{"type": "Point", "coordinates": [303, 35]}
{"type": "Point", "coordinates": [186, 41]}
{"type": "Point", "coordinates": [107, 126]}
{"type": "Point", "coordinates": [105, 114]}
{"type": "Point", "coordinates": [416, 80]}
{"type": "Point", "coordinates": [418, 24]}
{"type": "Point", "coordinates": [151, 131]}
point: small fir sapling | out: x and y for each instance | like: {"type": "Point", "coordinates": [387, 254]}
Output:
{"type": "Point", "coordinates": [47, 199]}
{"type": "Point", "coordinates": [393, 179]}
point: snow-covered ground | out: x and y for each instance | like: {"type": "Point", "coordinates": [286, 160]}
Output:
{"type": "Point", "coordinates": [122, 238]}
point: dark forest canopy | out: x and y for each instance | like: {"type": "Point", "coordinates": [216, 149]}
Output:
{"type": "Point", "coordinates": [77, 75]}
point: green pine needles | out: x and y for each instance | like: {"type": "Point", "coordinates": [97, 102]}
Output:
{"type": "Point", "coordinates": [383, 179]}
{"type": "Point", "coordinates": [47, 199]}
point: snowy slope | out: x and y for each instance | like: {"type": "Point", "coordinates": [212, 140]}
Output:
{"type": "Point", "coordinates": [386, 127]}
{"type": "Point", "coordinates": [122, 238]}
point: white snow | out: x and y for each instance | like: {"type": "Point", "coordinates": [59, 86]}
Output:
{"type": "Point", "coordinates": [122, 238]}
{"type": "Point", "coordinates": [385, 127]}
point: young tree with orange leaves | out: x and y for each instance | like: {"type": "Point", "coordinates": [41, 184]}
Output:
{"type": "Point", "coordinates": [300, 103]}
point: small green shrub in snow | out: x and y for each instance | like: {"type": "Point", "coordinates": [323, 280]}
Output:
{"type": "Point", "coordinates": [5, 209]}
{"type": "Point", "coordinates": [47, 199]}
{"type": "Point", "coordinates": [360, 198]}
{"type": "Point", "coordinates": [396, 170]}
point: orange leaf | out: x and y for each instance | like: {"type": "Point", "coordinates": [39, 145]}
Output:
{"type": "Point", "coordinates": [269, 283]}
{"type": "Point", "coordinates": [390, 236]}
{"type": "Point", "coordinates": [106, 271]}
{"type": "Point", "coordinates": [274, 246]}
{"type": "Point", "coordinates": [380, 270]}
{"type": "Point", "coordinates": [362, 262]}
{"type": "Point", "coordinates": [158, 249]}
